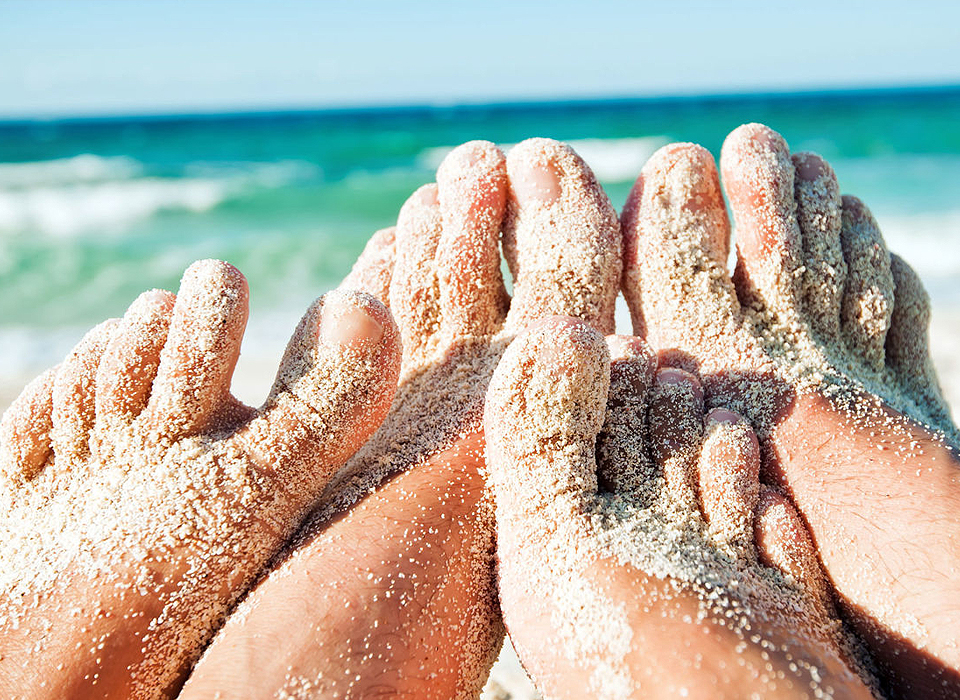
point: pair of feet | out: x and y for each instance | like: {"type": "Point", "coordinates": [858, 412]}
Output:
{"type": "Point", "coordinates": [618, 470]}
{"type": "Point", "coordinates": [141, 500]}
{"type": "Point", "coordinates": [410, 609]}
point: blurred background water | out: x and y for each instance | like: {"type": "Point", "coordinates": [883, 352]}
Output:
{"type": "Point", "coordinates": [94, 211]}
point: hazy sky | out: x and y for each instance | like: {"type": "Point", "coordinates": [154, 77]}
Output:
{"type": "Point", "coordinates": [122, 56]}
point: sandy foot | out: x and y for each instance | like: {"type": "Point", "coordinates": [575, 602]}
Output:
{"type": "Point", "coordinates": [392, 581]}
{"type": "Point", "coordinates": [139, 498]}
{"type": "Point", "coordinates": [639, 555]}
{"type": "Point", "coordinates": [820, 340]}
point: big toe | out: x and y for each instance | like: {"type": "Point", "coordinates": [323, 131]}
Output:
{"type": "Point", "coordinates": [334, 387]}
{"type": "Point", "coordinates": [758, 174]}
{"type": "Point", "coordinates": [543, 411]}
{"type": "Point", "coordinates": [676, 242]}
{"type": "Point", "coordinates": [561, 238]}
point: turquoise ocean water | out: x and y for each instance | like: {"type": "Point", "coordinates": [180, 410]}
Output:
{"type": "Point", "coordinates": [94, 211]}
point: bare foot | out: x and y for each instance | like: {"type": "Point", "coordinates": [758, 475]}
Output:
{"type": "Point", "coordinates": [819, 339]}
{"type": "Point", "coordinates": [140, 499]}
{"type": "Point", "coordinates": [639, 556]}
{"type": "Point", "coordinates": [392, 582]}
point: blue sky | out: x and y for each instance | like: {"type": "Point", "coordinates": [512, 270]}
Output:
{"type": "Point", "coordinates": [64, 57]}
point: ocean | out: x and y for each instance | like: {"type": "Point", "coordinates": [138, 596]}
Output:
{"type": "Point", "coordinates": [94, 211]}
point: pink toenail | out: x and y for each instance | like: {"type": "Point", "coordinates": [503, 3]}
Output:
{"type": "Point", "coordinates": [722, 415]}
{"type": "Point", "coordinates": [672, 375]}
{"type": "Point", "coordinates": [427, 195]}
{"type": "Point", "coordinates": [809, 167]}
{"type": "Point", "coordinates": [345, 325]}
{"type": "Point", "coordinates": [536, 182]}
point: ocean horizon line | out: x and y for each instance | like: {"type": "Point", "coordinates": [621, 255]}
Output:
{"type": "Point", "coordinates": [832, 93]}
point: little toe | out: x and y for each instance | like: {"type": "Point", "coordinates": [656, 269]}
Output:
{"type": "Point", "coordinates": [868, 295]}
{"type": "Point", "coordinates": [676, 243]}
{"type": "Point", "coordinates": [334, 386]}
{"type": "Point", "coordinates": [908, 343]}
{"type": "Point", "coordinates": [623, 461]}
{"type": "Point", "coordinates": [74, 395]}
{"type": "Point", "coordinates": [25, 444]}
{"type": "Point", "coordinates": [729, 471]}
{"type": "Point", "coordinates": [543, 411]}
{"type": "Point", "coordinates": [819, 217]}
{"type": "Point", "coordinates": [130, 361]}
{"type": "Point", "coordinates": [758, 175]}
{"type": "Point", "coordinates": [472, 190]}
{"type": "Point", "coordinates": [783, 543]}
{"type": "Point", "coordinates": [561, 238]}
{"type": "Point", "coordinates": [414, 287]}
{"type": "Point", "coordinates": [675, 426]}
{"type": "Point", "coordinates": [192, 386]}
{"type": "Point", "coordinates": [374, 268]}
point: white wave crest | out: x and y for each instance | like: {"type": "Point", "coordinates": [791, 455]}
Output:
{"type": "Point", "coordinates": [106, 206]}
{"type": "Point", "coordinates": [618, 160]}
{"type": "Point", "coordinates": [62, 171]}
{"type": "Point", "coordinates": [70, 196]}
{"type": "Point", "coordinates": [612, 160]}
{"type": "Point", "coordinates": [930, 242]}
{"type": "Point", "coordinates": [264, 174]}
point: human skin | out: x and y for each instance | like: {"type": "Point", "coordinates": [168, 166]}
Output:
{"type": "Point", "coordinates": [559, 418]}
{"type": "Point", "coordinates": [140, 498]}
{"type": "Point", "coordinates": [422, 619]}
{"type": "Point", "coordinates": [867, 452]}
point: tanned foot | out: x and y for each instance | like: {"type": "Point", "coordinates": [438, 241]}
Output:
{"type": "Point", "coordinates": [139, 498]}
{"type": "Point", "coordinates": [391, 584]}
{"type": "Point", "coordinates": [820, 340]}
{"type": "Point", "coordinates": [639, 556]}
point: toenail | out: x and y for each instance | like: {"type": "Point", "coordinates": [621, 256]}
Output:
{"type": "Point", "coordinates": [150, 299]}
{"type": "Point", "coordinates": [809, 166]}
{"type": "Point", "coordinates": [556, 321]}
{"type": "Point", "coordinates": [467, 155]}
{"type": "Point", "coordinates": [672, 375]}
{"type": "Point", "coordinates": [628, 346]}
{"type": "Point", "coordinates": [344, 325]}
{"type": "Point", "coordinates": [722, 415]}
{"type": "Point", "coordinates": [427, 195]}
{"type": "Point", "coordinates": [538, 182]}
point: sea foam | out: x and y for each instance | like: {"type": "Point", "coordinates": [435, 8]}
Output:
{"type": "Point", "coordinates": [77, 169]}
{"type": "Point", "coordinates": [71, 209]}
{"type": "Point", "coordinates": [70, 196]}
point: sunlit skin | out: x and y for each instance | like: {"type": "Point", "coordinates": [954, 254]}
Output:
{"type": "Point", "coordinates": [878, 491]}
{"type": "Point", "coordinates": [395, 596]}
{"type": "Point", "coordinates": [672, 650]}
{"type": "Point", "coordinates": [162, 495]}
{"type": "Point", "coordinates": [427, 581]}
